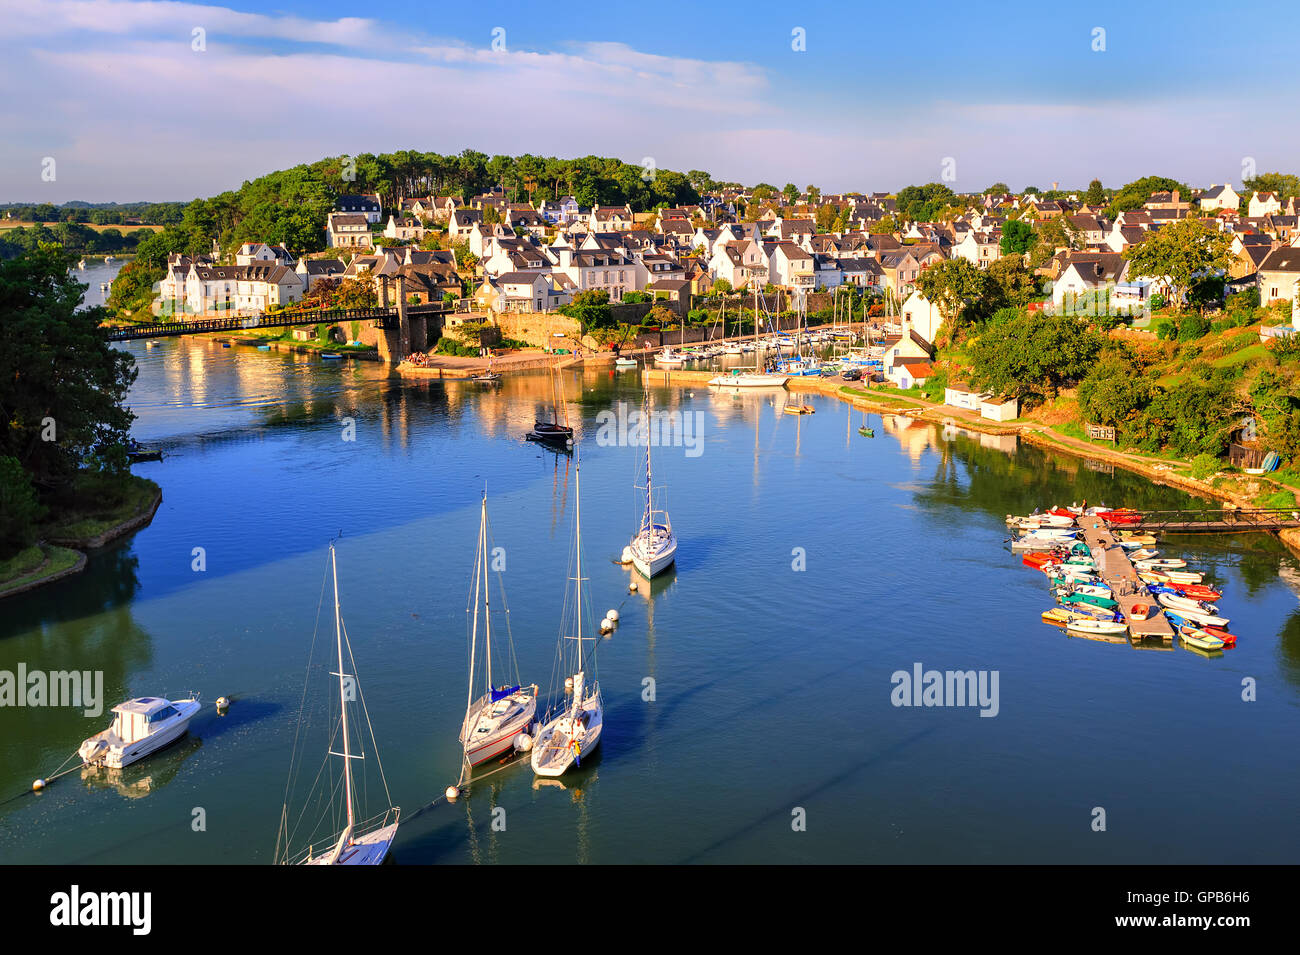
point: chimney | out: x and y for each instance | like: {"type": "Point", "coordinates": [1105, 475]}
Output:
{"type": "Point", "coordinates": [1175, 196]}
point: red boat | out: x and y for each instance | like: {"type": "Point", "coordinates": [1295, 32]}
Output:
{"type": "Point", "coordinates": [1038, 558]}
{"type": "Point", "coordinates": [1229, 639]}
{"type": "Point", "coordinates": [1121, 516]}
{"type": "Point", "coordinates": [1140, 612]}
{"type": "Point", "coordinates": [1196, 592]}
{"type": "Point", "coordinates": [1062, 512]}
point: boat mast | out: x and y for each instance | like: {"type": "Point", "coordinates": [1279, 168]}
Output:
{"type": "Point", "coordinates": [487, 595]}
{"type": "Point", "coordinates": [343, 708]}
{"type": "Point", "coordinates": [648, 520]}
{"type": "Point", "coordinates": [577, 539]}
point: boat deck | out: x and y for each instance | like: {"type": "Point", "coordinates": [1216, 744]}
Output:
{"type": "Point", "coordinates": [1114, 567]}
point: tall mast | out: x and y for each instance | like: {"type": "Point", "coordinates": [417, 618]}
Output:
{"type": "Point", "coordinates": [647, 520]}
{"type": "Point", "coordinates": [343, 705]}
{"type": "Point", "coordinates": [473, 634]}
{"type": "Point", "coordinates": [487, 594]}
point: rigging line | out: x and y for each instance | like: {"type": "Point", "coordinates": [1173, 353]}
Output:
{"type": "Point", "coordinates": [289, 786]}
{"type": "Point", "coordinates": [374, 746]}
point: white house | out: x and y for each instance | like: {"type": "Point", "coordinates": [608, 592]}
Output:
{"type": "Point", "coordinates": [923, 314]}
{"type": "Point", "coordinates": [348, 230]}
{"type": "Point", "coordinates": [740, 262]}
{"type": "Point", "coordinates": [979, 248]}
{"type": "Point", "coordinates": [792, 267]}
{"type": "Point", "coordinates": [1088, 272]}
{"type": "Point", "coordinates": [999, 408]}
{"type": "Point", "coordinates": [1264, 204]}
{"type": "Point", "coordinates": [1220, 197]}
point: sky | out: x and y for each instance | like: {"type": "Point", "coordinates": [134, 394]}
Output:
{"type": "Point", "coordinates": [126, 100]}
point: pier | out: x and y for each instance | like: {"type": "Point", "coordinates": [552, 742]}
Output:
{"type": "Point", "coordinates": [1212, 520]}
{"type": "Point", "coordinates": [1114, 567]}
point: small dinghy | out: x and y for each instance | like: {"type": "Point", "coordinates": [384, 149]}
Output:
{"type": "Point", "coordinates": [1163, 563]}
{"type": "Point", "coordinates": [799, 409]}
{"type": "Point", "coordinates": [1182, 615]}
{"type": "Point", "coordinates": [487, 378]}
{"type": "Point", "coordinates": [1184, 576]}
{"type": "Point", "coordinates": [624, 362]}
{"type": "Point", "coordinates": [1074, 599]}
{"type": "Point", "coordinates": [140, 727]}
{"type": "Point", "coordinates": [1107, 628]}
{"type": "Point", "coordinates": [1196, 591]}
{"type": "Point", "coordinates": [1143, 554]}
{"type": "Point", "coordinates": [1200, 639]}
{"type": "Point", "coordinates": [330, 356]}
{"type": "Point", "coordinates": [1140, 612]}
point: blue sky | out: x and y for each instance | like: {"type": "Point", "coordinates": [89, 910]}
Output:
{"type": "Point", "coordinates": [881, 96]}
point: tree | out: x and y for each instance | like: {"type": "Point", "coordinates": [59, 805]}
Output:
{"type": "Point", "coordinates": [62, 388]}
{"type": "Point", "coordinates": [356, 293]}
{"type": "Point", "coordinates": [1033, 353]}
{"type": "Point", "coordinates": [922, 203]}
{"type": "Point", "coordinates": [953, 285]}
{"type": "Point", "coordinates": [1114, 392]}
{"type": "Point", "coordinates": [1185, 251]}
{"type": "Point", "coordinates": [1137, 192]}
{"type": "Point", "coordinates": [1017, 237]}
{"type": "Point", "coordinates": [1095, 195]}
{"type": "Point", "coordinates": [1015, 284]}
{"type": "Point", "coordinates": [1283, 185]}
{"type": "Point", "coordinates": [997, 189]}
{"type": "Point", "coordinates": [791, 191]}
{"type": "Point", "coordinates": [591, 310]}
{"type": "Point", "coordinates": [19, 508]}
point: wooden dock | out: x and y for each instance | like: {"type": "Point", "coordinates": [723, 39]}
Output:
{"type": "Point", "coordinates": [1114, 567]}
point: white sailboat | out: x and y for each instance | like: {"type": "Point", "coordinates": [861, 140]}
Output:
{"type": "Point", "coordinates": [740, 378]}
{"type": "Point", "coordinates": [496, 720]}
{"type": "Point", "coordinates": [575, 731]}
{"type": "Point", "coordinates": [654, 548]}
{"type": "Point", "coordinates": [360, 843]}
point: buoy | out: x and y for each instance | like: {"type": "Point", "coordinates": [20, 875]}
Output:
{"type": "Point", "coordinates": [568, 442]}
{"type": "Point", "coordinates": [627, 555]}
{"type": "Point", "coordinates": [612, 615]}
{"type": "Point", "coordinates": [606, 625]}
{"type": "Point", "coordinates": [631, 586]}
{"type": "Point", "coordinates": [452, 793]}
{"type": "Point", "coordinates": [39, 785]}
{"type": "Point", "coordinates": [568, 684]}
{"type": "Point", "coordinates": [222, 703]}
{"type": "Point", "coordinates": [523, 742]}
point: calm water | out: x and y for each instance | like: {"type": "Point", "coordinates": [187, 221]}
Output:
{"type": "Point", "coordinates": [772, 684]}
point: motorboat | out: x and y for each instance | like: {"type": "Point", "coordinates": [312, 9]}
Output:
{"type": "Point", "coordinates": [140, 727]}
{"type": "Point", "coordinates": [1097, 627]}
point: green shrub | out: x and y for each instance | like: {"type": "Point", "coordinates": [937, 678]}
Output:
{"type": "Point", "coordinates": [1203, 465]}
{"type": "Point", "coordinates": [19, 508]}
{"type": "Point", "coordinates": [1192, 327]}
{"type": "Point", "coordinates": [450, 346]}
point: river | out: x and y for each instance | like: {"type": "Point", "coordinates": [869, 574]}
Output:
{"type": "Point", "coordinates": [813, 565]}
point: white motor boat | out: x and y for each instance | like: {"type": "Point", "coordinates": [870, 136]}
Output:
{"type": "Point", "coordinates": [1205, 617]}
{"type": "Point", "coordinates": [750, 379]}
{"type": "Point", "coordinates": [1096, 627]}
{"type": "Point", "coordinates": [670, 357]}
{"type": "Point", "coordinates": [734, 348]}
{"type": "Point", "coordinates": [140, 727]}
{"type": "Point", "coordinates": [625, 362]}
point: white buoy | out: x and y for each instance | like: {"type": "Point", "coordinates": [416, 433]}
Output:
{"type": "Point", "coordinates": [38, 785]}
{"type": "Point", "coordinates": [631, 586]}
{"type": "Point", "coordinates": [222, 703]}
{"type": "Point", "coordinates": [568, 684]}
{"type": "Point", "coordinates": [523, 742]}
{"type": "Point", "coordinates": [612, 615]}
{"type": "Point", "coordinates": [606, 625]}
{"type": "Point", "coordinates": [627, 555]}
{"type": "Point", "coordinates": [452, 793]}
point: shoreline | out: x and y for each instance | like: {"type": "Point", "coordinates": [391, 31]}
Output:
{"type": "Point", "coordinates": [1031, 432]}
{"type": "Point", "coordinates": [41, 575]}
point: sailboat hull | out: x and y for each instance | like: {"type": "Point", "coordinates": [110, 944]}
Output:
{"type": "Point", "coordinates": [369, 849]}
{"type": "Point", "coordinates": [554, 750]}
{"type": "Point", "coordinates": [653, 557]}
{"type": "Point", "coordinates": [490, 736]}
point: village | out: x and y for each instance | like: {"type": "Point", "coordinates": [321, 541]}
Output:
{"type": "Point", "coordinates": [497, 261]}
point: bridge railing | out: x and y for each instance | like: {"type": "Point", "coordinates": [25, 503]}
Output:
{"type": "Point", "coordinates": [1254, 517]}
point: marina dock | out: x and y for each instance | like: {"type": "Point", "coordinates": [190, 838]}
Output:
{"type": "Point", "coordinates": [1114, 567]}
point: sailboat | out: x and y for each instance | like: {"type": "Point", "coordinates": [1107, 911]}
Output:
{"type": "Point", "coordinates": [575, 730]}
{"type": "Point", "coordinates": [739, 378]}
{"type": "Point", "coordinates": [654, 547]}
{"type": "Point", "coordinates": [496, 720]}
{"type": "Point", "coordinates": [553, 432]}
{"type": "Point", "coordinates": [360, 843]}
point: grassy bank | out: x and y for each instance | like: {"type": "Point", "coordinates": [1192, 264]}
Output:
{"type": "Point", "coordinates": [89, 513]}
